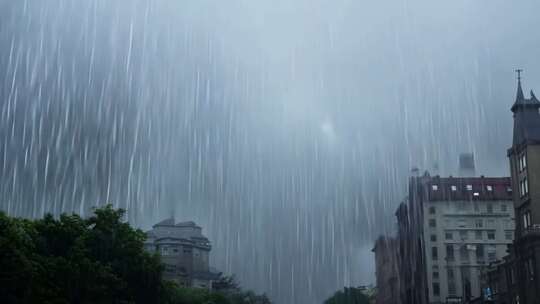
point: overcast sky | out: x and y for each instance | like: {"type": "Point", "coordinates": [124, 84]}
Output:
{"type": "Point", "coordinates": [286, 128]}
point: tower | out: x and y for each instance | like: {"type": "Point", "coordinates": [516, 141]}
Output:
{"type": "Point", "coordinates": [524, 156]}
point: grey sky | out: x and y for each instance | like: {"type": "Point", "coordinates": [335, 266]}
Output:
{"type": "Point", "coordinates": [286, 129]}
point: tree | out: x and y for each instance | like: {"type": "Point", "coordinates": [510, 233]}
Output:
{"type": "Point", "coordinates": [349, 295]}
{"type": "Point", "coordinates": [226, 284]}
{"type": "Point", "coordinates": [74, 260]}
{"type": "Point", "coordinates": [96, 260]}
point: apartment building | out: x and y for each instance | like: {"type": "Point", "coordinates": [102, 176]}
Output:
{"type": "Point", "coordinates": [449, 230]}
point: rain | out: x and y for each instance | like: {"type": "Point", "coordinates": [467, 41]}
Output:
{"type": "Point", "coordinates": [285, 128]}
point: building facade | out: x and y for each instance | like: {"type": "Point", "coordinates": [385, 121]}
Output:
{"type": "Point", "coordinates": [386, 270]}
{"type": "Point", "coordinates": [449, 229]}
{"type": "Point", "coordinates": [515, 279]}
{"type": "Point", "coordinates": [184, 251]}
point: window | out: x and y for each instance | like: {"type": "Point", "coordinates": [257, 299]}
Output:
{"type": "Point", "coordinates": [449, 235]}
{"type": "Point", "coordinates": [504, 208]}
{"type": "Point", "coordinates": [491, 235]}
{"type": "Point", "coordinates": [432, 223]}
{"type": "Point", "coordinates": [478, 235]}
{"type": "Point", "coordinates": [170, 268]}
{"type": "Point", "coordinates": [450, 273]}
{"type": "Point", "coordinates": [530, 268]}
{"type": "Point", "coordinates": [479, 223]}
{"type": "Point", "coordinates": [468, 187]}
{"type": "Point", "coordinates": [450, 252]}
{"type": "Point", "coordinates": [492, 253]}
{"type": "Point", "coordinates": [463, 235]}
{"type": "Point", "coordinates": [431, 210]}
{"type": "Point", "coordinates": [480, 252]}
{"type": "Point", "coordinates": [489, 208]}
{"type": "Point", "coordinates": [435, 275]}
{"type": "Point", "coordinates": [451, 288]}
{"type": "Point", "coordinates": [491, 223]}
{"type": "Point", "coordinates": [489, 188]}
{"type": "Point", "coordinates": [435, 187]}
{"type": "Point", "coordinates": [523, 187]}
{"type": "Point", "coordinates": [522, 164]}
{"type": "Point", "coordinates": [511, 276]}
{"type": "Point", "coordinates": [453, 187]}
{"type": "Point", "coordinates": [526, 219]}
{"type": "Point", "coordinates": [476, 194]}
{"type": "Point", "coordinates": [509, 224]}
{"type": "Point", "coordinates": [436, 289]}
{"type": "Point", "coordinates": [464, 253]}
{"type": "Point", "coordinates": [509, 235]}
{"type": "Point", "coordinates": [434, 253]}
{"type": "Point", "coordinates": [476, 207]}
{"type": "Point", "coordinates": [462, 223]}
{"type": "Point", "coordinates": [433, 237]}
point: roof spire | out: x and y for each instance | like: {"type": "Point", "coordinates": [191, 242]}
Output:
{"type": "Point", "coordinates": [520, 95]}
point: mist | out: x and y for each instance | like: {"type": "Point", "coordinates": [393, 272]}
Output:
{"type": "Point", "coordinates": [286, 128]}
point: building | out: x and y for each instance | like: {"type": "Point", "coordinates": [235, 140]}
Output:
{"type": "Point", "coordinates": [386, 261]}
{"type": "Point", "coordinates": [515, 279]}
{"type": "Point", "coordinates": [449, 229]}
{"type": "Point", "coordinates": [185, 252]}
{"type": "Point", "coordinates": [411, 260]}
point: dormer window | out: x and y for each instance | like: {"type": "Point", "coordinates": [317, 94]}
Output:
{"type": "Point", "coordinates": [469, 187]}
{"type": "Point", "coordinates": [489, 188]}
{"type": "Point", "coordinates": [435, 187]}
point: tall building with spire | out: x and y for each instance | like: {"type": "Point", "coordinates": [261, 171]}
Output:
{"type": "Point", "coordinates": [524, 158]}
{"type": "Point", "coordinates": [515, 279]}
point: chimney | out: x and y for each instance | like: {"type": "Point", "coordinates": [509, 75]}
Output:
{"type": "Point", "coordinates": [466, 165]}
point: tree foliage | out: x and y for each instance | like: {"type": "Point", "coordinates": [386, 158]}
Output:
{"type": "Point", "coordinates": [349, 295]}
{"type": "Point", "coordinates": [100, 259]}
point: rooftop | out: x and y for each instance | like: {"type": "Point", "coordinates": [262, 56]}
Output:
{"type": "Point", "coordinates": [467, 188]}
{"type": "Point", "coordinates": [526, 118]}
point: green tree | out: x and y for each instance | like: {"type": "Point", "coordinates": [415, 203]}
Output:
{"type": "Point", "coordinates": [74, 260]}
{"type": "Point", "coordinates": [96, 260]}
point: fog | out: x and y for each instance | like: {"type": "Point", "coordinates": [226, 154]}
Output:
{"type": "Point", "coordinates": [285, 128]}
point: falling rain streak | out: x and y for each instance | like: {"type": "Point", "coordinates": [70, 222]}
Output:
{"type": "Point", "coordinates": [285, 128]}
